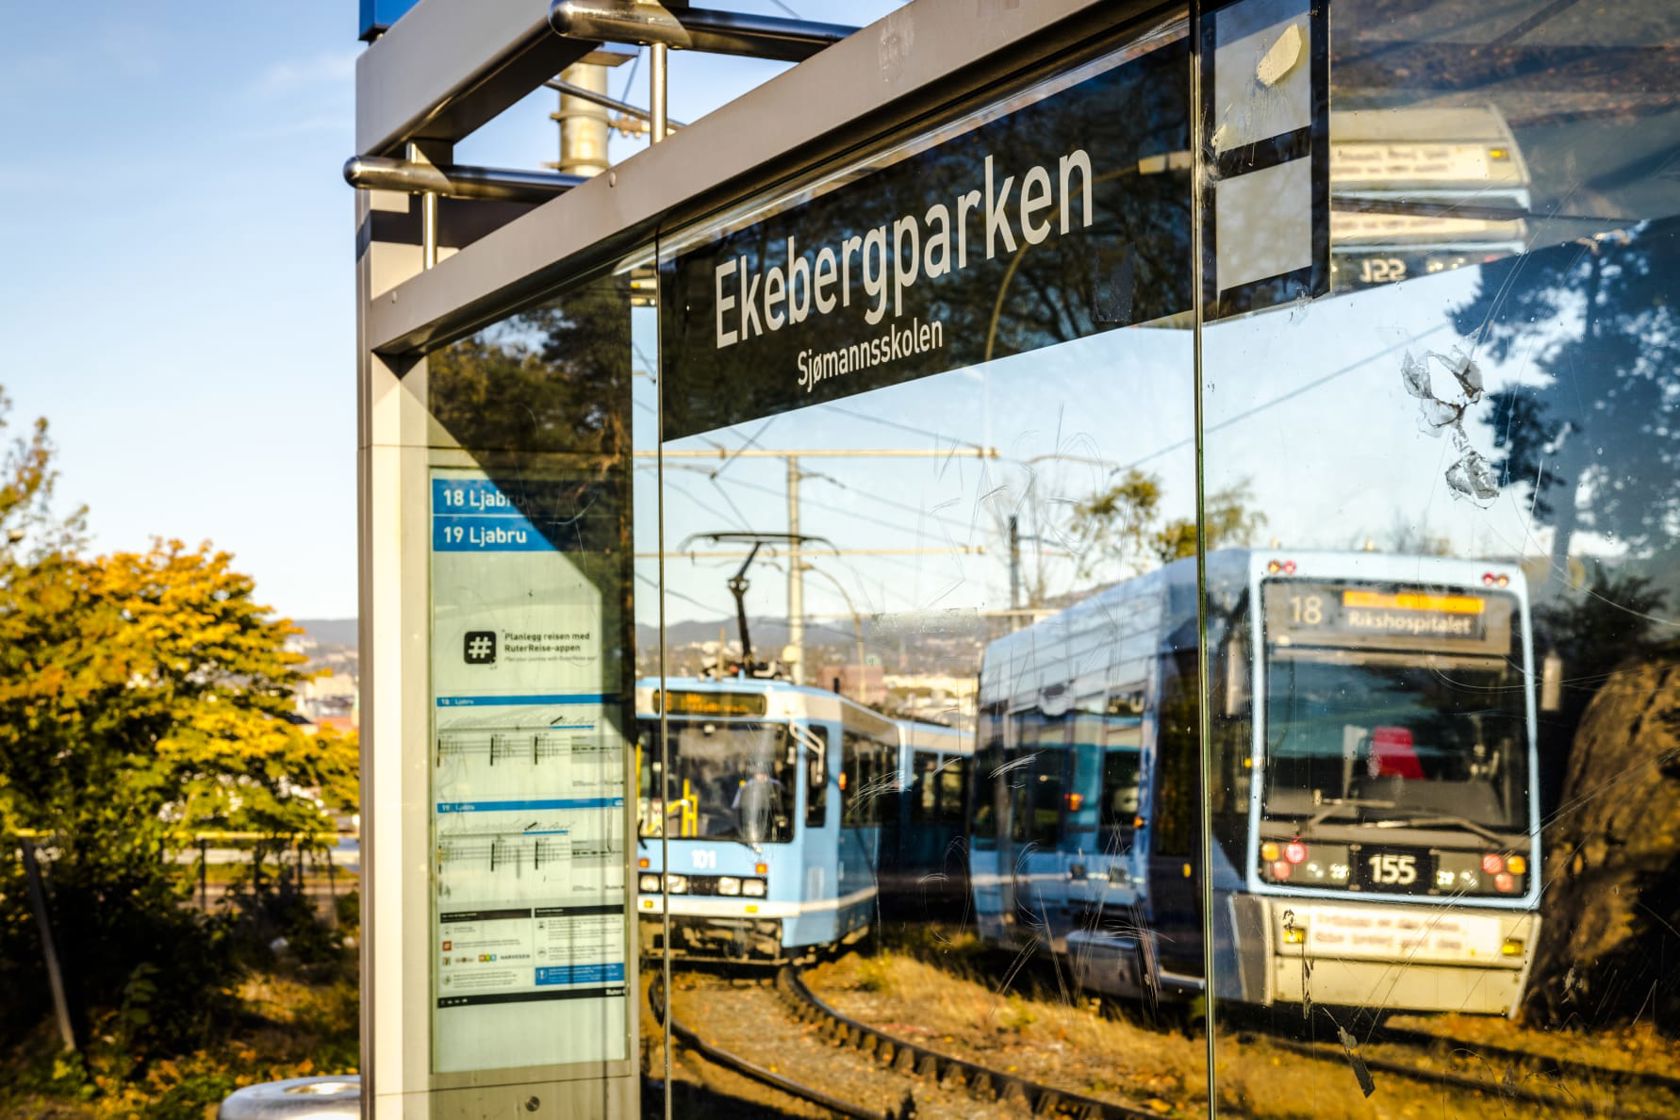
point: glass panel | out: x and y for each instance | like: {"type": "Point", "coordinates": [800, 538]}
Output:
{"type": "Point", "coordinates": [527, 483]}
{"type": "Point", "coordinates": [928, 512]}
{"type": "Point", "coordinates": [1440, 697]}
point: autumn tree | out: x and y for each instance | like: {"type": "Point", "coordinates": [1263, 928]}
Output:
{"type": "Point", "coordinates": [143, 696]}
{"type": "Point", "coordinates": [1120, 526]}
{"type": "Point", "coordinates": [1593, 445]}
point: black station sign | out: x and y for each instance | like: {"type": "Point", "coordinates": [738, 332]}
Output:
{"type": "Point", "coordinates": [1057, 215]}
{"type": "Point", "coordinates": [1049, 221]}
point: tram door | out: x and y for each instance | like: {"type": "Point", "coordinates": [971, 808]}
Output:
{"type": "Point", "coordinates": [1036, 825]}
{"type": "Point", "coordinates": [1174, 822]}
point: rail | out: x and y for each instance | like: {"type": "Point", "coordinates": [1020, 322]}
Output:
{"type": "Point", "coordinates": [719, 1056]}
{"type": "Point", "coordinates": [1547, 1064]}
{"type": "Point", "coordinates": [1508, 1088]}
{"type": "Point", "coordinates": [910, 1057]}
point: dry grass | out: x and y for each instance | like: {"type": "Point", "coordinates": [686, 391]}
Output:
{"type": "Point", "coordinates": [290, 1026]}
{"type": "Point", "coordinates": [1040, 1028]}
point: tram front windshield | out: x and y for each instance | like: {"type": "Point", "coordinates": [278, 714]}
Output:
{"type": "Point", "coordinates": [728, 781]}
{"type": "Point", "coordinates": [1434, 738]}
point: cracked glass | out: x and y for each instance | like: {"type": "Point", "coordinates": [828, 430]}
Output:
{"type": "Point", "coordinates": [1157, 611]}
{"type": "Point", "coordinates": [1442, 695]}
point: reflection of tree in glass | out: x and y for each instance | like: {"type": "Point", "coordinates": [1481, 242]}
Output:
{"type": "Point", "coordinates": [1120, 524]}
{"type": "Point", "coordinates": [1597, 444]}
{"type": "Point", "coordinates": [550, 382]}
{"type": "Point", "coordinates": [555, 378]}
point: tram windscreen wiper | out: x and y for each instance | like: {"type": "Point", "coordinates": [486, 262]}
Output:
{"type": "Point", "coordinates": [1332, 804]}
{"type": "Point", "coordinates": [1449, 819]}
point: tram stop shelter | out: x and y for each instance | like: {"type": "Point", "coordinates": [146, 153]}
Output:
{"type": "Point", "coordinates": [1041, 249]}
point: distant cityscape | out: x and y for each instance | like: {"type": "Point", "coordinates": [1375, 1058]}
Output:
{"type": "Point", "coordinates": [327, 698]}
{"type": "Point", "coordinates": [921, 666]}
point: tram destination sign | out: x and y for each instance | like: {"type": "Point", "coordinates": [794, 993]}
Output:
{"type": "Point", "coordinates": [1057, 215]}
{"type": "Point", "coordinates": [1301, 612]}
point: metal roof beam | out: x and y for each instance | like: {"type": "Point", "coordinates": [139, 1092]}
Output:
{"type": "Point", "coordinates": [695, 29]}
{"type": "Point", "coordinates": [448, 67]}
{"type": "Point", "coordinates": [377, 173]}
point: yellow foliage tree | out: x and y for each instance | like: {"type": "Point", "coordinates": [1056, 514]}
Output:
{"type": "Point", "coordinates": [143, 696]}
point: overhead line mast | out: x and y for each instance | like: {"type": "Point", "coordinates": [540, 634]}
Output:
{"type": "Point", "coordinates": [792, 538]}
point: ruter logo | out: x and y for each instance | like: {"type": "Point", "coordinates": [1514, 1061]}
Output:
{"type": "Point", "coordinates": [479, 647]}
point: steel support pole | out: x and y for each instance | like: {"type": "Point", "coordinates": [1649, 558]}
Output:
{"type": "Point", "coordinates": [694, 29]}
{"type": "Point", "coordinates": [583, 120]}
{"type": "Point", "coordinates": [49, 952]}
{"type": "Point", "coordinates": [428, 211]}
{"type": "Point", "coordinates": [659, 122]}
{"type": "Point", "coordinates": [796, 575]}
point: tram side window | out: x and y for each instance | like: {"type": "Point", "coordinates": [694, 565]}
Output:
{"type": "Point", "coordinates": [952, 784]}
{"type": "Point", "coordinates": [924, 796]}
{"type": "Point", "coordinates": [1119, 798]}
{"type": "Point", "coordinates": [1231, 726]}
{"type": "Point", "coordinates": [984, 787]}
{"type": "Point", "coordinates": [1177, 790]}
{"type": "Point", "coordinates": [1038, 815]}
{"type": "Point", "coordinates": [865, 780]}
{"type": "Point", "coordinates": [939, 790]}
{"type": "Point", "coordinates": [816, 778]}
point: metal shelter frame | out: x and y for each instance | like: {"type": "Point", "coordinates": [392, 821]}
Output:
{"type": "Point", "coordinates": [442, 250]}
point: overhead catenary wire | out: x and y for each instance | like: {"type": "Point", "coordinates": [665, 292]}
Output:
{"type": "Point", "coordinates": [692, 601]}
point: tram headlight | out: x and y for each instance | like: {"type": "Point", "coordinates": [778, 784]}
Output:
{"type": "Point", "coordinates": [753, 888]}
{"type": "Point", "coordinates": [676, 884]}
{"type": "Point", "coordinates": [1516, 865]}
{"type": "Point", "coordinates": [728, 884]}
{"type": "Point", "coordinates": [648, 884]}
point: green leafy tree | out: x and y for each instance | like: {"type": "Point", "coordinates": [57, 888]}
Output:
{"type": "Point", "coordinates": [143, 696]}
{"type": "Point", "coordinates": [1116, 524]}
{"type": "Point", "coordinates": [1595, 443]}
{"type": "Point", "coordinates": [1121, 526]}
{"type": "Point", "coordinates": [1231, 520]}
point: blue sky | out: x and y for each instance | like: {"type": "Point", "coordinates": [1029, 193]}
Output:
{"type": "Point", "coordinates": [179, 292]}
{"type": "Point", "coordinates": [180, 304]}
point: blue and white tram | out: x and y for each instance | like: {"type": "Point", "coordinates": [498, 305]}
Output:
{"type": "Point", "coordinates": [768, 797]}
{"type": "Point", "coordinates": [1371, 791]}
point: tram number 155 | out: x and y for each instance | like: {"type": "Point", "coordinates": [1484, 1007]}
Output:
{"type": "Point", "coordinates": [1393, 869]}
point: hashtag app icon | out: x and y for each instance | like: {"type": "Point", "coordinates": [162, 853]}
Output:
{"type": "Point", "coordinates": [480, 647]}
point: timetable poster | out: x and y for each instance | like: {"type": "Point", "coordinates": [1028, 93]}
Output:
{"type": "Point", "coordinates": [528, 937]}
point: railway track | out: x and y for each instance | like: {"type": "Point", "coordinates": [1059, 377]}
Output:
{"type": "Point", "coordinates": [730, 1060]}
{"type": "Point", "coordinates": [1516, 1084]}
{"type": "Point", "coordinates": [909, 1057]}
{"type": "Point", "coordinates": [922, 1072]}
{"type": "Point", "coordinates": [1541, 1063]}
{"type": "Point", "coordinates": [1482, 1072]}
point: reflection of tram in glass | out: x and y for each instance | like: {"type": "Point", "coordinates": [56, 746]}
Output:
{"type": "Point", "coordinates": [1422, 190]}
{"type": "Point", "coordinates": [777, 795]}
{"type": "Point", "coordinates": [923, 866]}
{"type": "Point", "coordinates": [1373, 809]}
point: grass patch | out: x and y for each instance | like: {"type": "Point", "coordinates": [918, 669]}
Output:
{"type": "Point", "coordinates": [290, 1021]}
